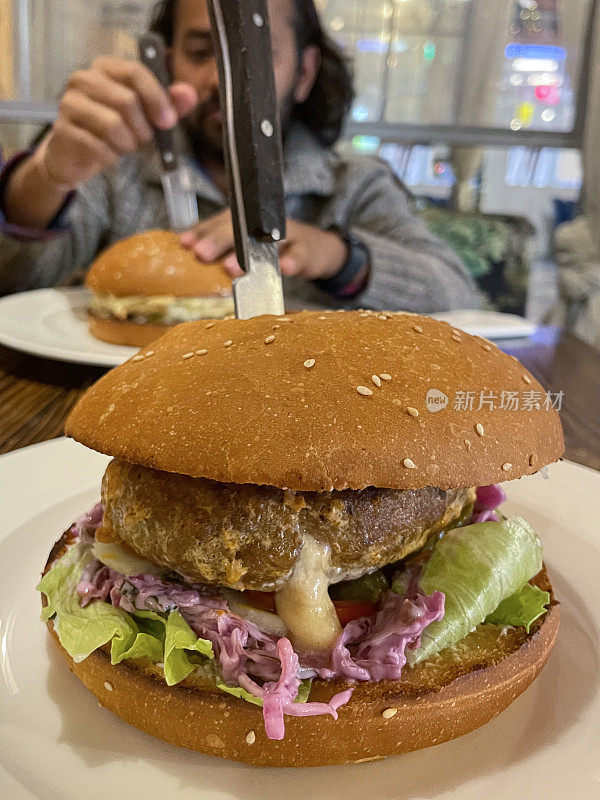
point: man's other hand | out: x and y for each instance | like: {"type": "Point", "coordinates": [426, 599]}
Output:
{"type": "Point", "coordinates": [307, 251]}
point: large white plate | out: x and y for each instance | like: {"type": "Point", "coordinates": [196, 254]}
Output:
{"type": "Point", "coordinates": [52, 323]}
{"type": "Point", "coordinates": [56, 742]}
{"type": "Point", "coordinates": [490, 324]}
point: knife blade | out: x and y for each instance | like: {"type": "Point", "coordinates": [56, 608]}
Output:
{"type": "Point", "coordinates": [252, 144]}
{"type": "Point", "coordinates": [181, 201]}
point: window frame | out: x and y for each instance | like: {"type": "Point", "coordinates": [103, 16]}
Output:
{"type": "Point", "coordinates": [25, 110]}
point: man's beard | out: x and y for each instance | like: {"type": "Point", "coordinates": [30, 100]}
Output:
{"type": "Point", "coordinates": [205, 130]}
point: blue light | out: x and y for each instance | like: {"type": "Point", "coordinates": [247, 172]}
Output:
{"type": "Point", "coordinates": [371, 46]}
{"type": "Point", "coordinates": [400, 46]}
{"type": "Point", "coordinates": [546, 51]}
{"type": "Point", "coordinates": [360, 113]}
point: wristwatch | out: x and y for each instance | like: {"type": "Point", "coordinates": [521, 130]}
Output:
{"type": "Point", "coordinates": [354, 275]}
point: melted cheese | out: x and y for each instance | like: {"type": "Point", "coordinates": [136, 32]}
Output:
{"type": "Point", "coordinates": [162, 308]}
{"type": "Point", "coordinates": [303, 603]}
{"type": "Point", "coordinates": [123, 560]}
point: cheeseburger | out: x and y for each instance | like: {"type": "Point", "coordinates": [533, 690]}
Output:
{"type": "Point", "coordinates": [294, 562]}
{"type": "Point", "coordinates": [143, 285]}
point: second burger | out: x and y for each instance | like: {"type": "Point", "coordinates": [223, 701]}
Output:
{"type": "Point", "coordinates": [143, 285]}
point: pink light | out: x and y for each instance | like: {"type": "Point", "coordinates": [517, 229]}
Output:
{"type": "Point", "coordinates": [548, 94]}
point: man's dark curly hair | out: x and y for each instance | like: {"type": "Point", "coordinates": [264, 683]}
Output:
{"type": "Point", "coordinates": [325, 109]}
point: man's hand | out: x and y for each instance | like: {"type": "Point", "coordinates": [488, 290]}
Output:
{"type": "Point", "coordinates": [106, 112]}
{"type": "Point", "coordinates": [307, 252]}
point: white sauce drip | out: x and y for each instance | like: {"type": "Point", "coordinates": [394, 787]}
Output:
{"type": "Point", "coordinates": [303, 603]}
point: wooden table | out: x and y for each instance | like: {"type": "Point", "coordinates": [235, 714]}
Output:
{"type": "Point", "coordinates": [36, 395]}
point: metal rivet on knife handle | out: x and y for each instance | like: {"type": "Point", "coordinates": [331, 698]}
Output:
{"type": "Point", "coordinates": [266, 127]}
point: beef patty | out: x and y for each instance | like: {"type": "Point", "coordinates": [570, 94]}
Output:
{"type": "Point", "coordinates": [249, 537]}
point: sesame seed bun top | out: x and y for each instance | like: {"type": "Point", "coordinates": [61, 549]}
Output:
{"type": "Point", "coordinates": [154, 263]}
{"type": "Point", "coordinates": [321, 401]}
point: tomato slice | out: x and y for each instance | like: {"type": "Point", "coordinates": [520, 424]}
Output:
{"type": "Point", "coordinates": [347, 610]}
{"type": "Point", "coordinates": [263, 600]}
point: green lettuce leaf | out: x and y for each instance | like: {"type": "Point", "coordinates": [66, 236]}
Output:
{"type": "Point", "coordinates": [522, 608]}
{"type": "Point", "coordinates": [140, 634]}
{"type": "Point", "coordinates": [476, 567]}
{"type": "Point", "coordinates": [83, 630]}
{"type": "Point", "coordinates": [180, 641]}
{"type": "Point", "coordinates": [144, 644]}
{"type": "Point", "coordinates": [237, 691]}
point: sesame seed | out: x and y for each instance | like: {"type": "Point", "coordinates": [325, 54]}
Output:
{"type": "Point", "coordinates": [108, 686]}
{"type": "Point", "coordinates": [269, 339]}
{"type": "Point", "coordinates": [480, 429]}
{"type": "Point", "coordinates": [228, 343]}
{"type": "Point", "coordinates": [322, 317]}
{"type": "Point", "coordinates": [250, 737]}
{"type": "Point", "coordinates": [455, 332]}
{"type": "Point", "coordinates": [468, 444]}
{"type": "Point", "coordinates": [456, 338]}
{"type": "Point", "coordinates": [507, 467]}
{"type": "Point", "coordinates": [397, 402]}
{"type": "Point", "coordinates": [412, 411]}
{"type": "Point", "coordinates": [376, 380]}
{"type": "Point", "coordinates": [417, 328]}
{"type": "Point", "coordinates": [138, 358]}
{"type": "Point", "coordinates": [187, 355]}
{"type": "Point", "coordinates": [526, 378]}
{"type": "Point", "coordinates": [385, 377]}
{"type": "Point", "coordinates": [532, 459]}
{"type": "Point", "coordinates": [514, 358]}
{"type": "Point", "coordinates": [310, 362]}
{"type": "Point", "coordinates": [487, 347]}
{"type": "Point", "coordinates": [363, 314]}
{"type": "Point", "coordinates": [283, 319]}
{"type": "Point", "coordinates": [382, 316]}
{"type": "Point", "coordinates": [364, 391]}
{"type": "Point", "coordinates": [149, 353]}
{"type": "Point", "coordinates": [202, 352]}
{"type": "Point", "coordinates": [409, 463]}
{"type": "Point", "coordinates": [276, 327]}
{"type": "Point", "coordinates": [388, 713]}
{"type": "Point", "coordinates": [210, 325]}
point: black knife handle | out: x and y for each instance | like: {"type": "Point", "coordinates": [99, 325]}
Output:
{"type": "Point", "coordinates": [243, 44]}
{"type": "Point", "coordinates": [153, 54]}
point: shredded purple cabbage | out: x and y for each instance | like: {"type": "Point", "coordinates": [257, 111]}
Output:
{"type": "Point", "coordinates": [96, 582]}
{"type": "Point", "coordinates": [87, 524]}
{"type": "Point", "coordinates": [368, 649]}
{"type": "Point", "coordinates": [488, 498]}
{"type": "Point", "coordinates": [373, 648]}
{"type": "Point", "coordinates": [246, 654]}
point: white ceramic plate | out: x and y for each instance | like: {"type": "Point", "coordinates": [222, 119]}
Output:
{"type": "Point", "coordinates": [56, 742]}
{"type": "Point", "coordinates": [52, 323]}
{"type": "Point", "coordinates": [490, 324]}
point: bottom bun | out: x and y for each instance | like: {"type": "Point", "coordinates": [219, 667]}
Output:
{"type": "Point", "coordinates": [131, 334]}
{"type": "Point", "coordinates": [440, 699]}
